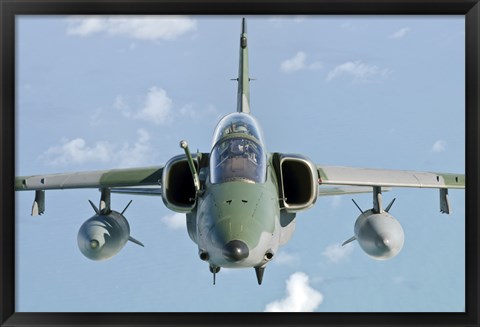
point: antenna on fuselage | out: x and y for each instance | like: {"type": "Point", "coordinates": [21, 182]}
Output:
{"type": "Point", "coordinates": [214, 270]}
{"type": "Point", "coordinates": [259, 272]}
{"type": "Point", "coordinates": [243, 94]}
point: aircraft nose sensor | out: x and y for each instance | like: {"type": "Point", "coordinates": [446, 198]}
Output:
{"type": "Point", "coordinates": [235, 250]}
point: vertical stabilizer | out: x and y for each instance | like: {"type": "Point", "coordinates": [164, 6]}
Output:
{"type": "Point", "coordinates": [243, 96]}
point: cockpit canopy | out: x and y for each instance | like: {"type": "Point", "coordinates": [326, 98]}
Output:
{"type": "Point", "coordinates": [238, 123]}
{"type": "Point", "coordinates": [237, 152]}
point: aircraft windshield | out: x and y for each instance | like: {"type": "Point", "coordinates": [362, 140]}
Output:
{"type": "Point", "coordinates": [238, 152]}
{"type": "Point", "coordinates": [238, 123]}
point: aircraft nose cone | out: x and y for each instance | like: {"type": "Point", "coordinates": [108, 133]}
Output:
{"type": "Point", "coordinates": [235, 250]}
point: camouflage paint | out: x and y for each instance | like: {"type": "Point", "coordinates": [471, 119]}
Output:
{"type": "Point", "coordinates": [243, 211]}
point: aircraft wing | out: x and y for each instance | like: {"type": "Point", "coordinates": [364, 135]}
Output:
{"type": "Point", "coordinates": [91, 179]}
{"type": "Point", "coordinates": [337, 175]}
{"type": "Point", "coordinates": [101, 179]}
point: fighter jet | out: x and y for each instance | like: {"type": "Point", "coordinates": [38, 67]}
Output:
{"type": "Point", "coordinates": [240, 200]}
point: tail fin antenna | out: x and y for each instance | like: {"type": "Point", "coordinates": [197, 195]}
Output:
{"type": "Point", "coordinates": [243, 95]}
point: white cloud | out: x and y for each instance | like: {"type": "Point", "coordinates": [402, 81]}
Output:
{"type": "Point", "coordinates": [400, 33]}
{"type": "Point", "coordinates": [298, 62]}
{"type": "Point", "coordinates": [78, 152]}
{"type": "Point", "coordinates": [175, 221]}
{"type": "Point", "coordinates": [120, 104]}
{"type": "Point", "coordinates": [85, 26]}
{"type": "Point", "coordinates": [157, 107]}
{"type": "Point", "coordinates": [285, 258]}
{"type": "Point", "coordinates": [359, 71]}
{"type": "Point", "coordinates": [337, 253]}
{"type": "Point", "coordinates": [95, 118]}
{"type": "Point", "coordinates": [294, 64]}
{"type": "Point", "coordinates": [137, 154]}
{"type": "Point", "coordinates": [300, 296]}
{"type": "Point", "coordinates": [138, 27]}
{"type": "Point", "coordinates": [143, 136]}
{"type": "Point", "coordinates": [189, 112]}
{"type": "Point", "coordinates": [439, 146]}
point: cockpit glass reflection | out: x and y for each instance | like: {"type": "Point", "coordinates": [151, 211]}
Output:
{"type": "Point", "coordinates": [238, 153]}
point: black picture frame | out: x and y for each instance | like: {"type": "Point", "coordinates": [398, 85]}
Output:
{"type": "Point", "coordinates": [10, 8]}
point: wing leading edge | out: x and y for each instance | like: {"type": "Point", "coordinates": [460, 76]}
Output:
{"type": "Point", "coordinates": [337, 175]}
{"type": "Point", "coordinates": [91, 179]}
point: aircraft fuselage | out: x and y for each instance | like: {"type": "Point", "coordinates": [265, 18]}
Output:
{"type": "Point", "coordinates": [234, 212]}
{"type": "Point", "coordinates": [237, 217]}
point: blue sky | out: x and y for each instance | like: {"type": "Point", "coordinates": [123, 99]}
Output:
{"type": "Point", "coordinates": [373, 91]}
